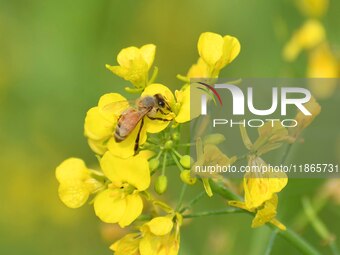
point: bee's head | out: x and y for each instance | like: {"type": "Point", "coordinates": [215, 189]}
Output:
{"type": "Point", "coordinates": [161, 102]}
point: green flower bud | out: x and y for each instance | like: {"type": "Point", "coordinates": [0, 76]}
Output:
{"type": "Point", "coordinates": [161, 184]}
{"type": "Point", "coordinates": [214, 139]}
{"type": "Point", "coordinates": [175, 136]}
{"type": "Point", "coordinates": [153, 164]}
{"type": "Point", "coordinates": [186, 177]}
{"type": "Point", "coordinates": [168, 145]}
{"type": "Point", "coordinates": [186, 161]}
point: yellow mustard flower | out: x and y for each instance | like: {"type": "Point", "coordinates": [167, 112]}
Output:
{"type": "Point", "coordinates": [134, 64]}
{"type": "Point", "coordinates": [260, 190]}
{"type": "Point", "coordinates": [305, 120]}
{"type": "Point", "coordinates": [128, 245]}
{"type": "Point", "coordinates": [311, 34]}
{"type": "Point", "coordinates": [217, 51]}
{"type": "Point", "coordinates": [75, 182]}
{"type": "Point", "coordinates": [210, 155]}
{"type": "Point", "coordinates": [121, 202]}
{"type": "Point", "coordinates": [313, 8]}
{"type": "Point", "coordinates": [101, 120]}
{"type": "Point", "coordinates": [160, 236]}
{"type": "Point", "coordinates": [322, 64]}
{"type": "Point", "coordinates": [179, 105]}
{"type": "Point", "coordinates": [155, 125]}
{"type": "Point", "coordinates": [271, 136]}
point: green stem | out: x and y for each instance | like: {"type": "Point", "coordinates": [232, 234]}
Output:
{"type": "Point", "coordinates": [192, 202]}
{"type": "Point", "coordinates": [298, 242]}
{"type": "Point", "coordinates": [219, 188]}
{"type": "Point", "coordinates": [159, 154]}
{"type": "Point", "coordinates": [286, 153]}
{"type": "Point", "coordinates": [301, 220]}
{"type": "Point", "coordinates": [164, 163]}
{"type": "Point", "coordinates": [154, 75]}
{"type": "Point", "coordinates": [185, 144]}
{"type": "Point", "coordinates": [216, 212]}
{"type": "Point", "coordinates": [271, 242]}
{"type": "Point", "coordinates": [177, 162]}
{"type": "Point", "coordinates": [319, 226]}
{"type": "Point", "coordinates": [181, 196]}
{"type": "Point", "coordinates": [176, 153]}
{"type": "Point", "coordinates": [240, 158]}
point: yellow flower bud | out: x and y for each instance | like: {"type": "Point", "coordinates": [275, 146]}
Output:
{"type": "Point", "coordinates": [186, 177]}
{"type": "Point", "coordinates": [186, 161]}
{"type": "Point", "coordinates": [161, 184]}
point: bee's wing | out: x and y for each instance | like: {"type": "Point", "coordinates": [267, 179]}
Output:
{"type": "Point", "coordinates": [118, 107]}
{"type": "Point", "coordinates": [128, 121]}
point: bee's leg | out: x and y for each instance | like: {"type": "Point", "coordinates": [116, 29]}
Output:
{"type": "Point", "coordinates": [161, 111]}
{"type": "Point", "coordinates": [138, 136]}
{"type": "Point", "coordinates": [155, 118]}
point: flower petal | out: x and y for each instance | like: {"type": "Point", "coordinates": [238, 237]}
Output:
{"type": "Point", "coordinates": [160, 226]}
{"type": "Point", "coordinates": [74, 193]}
{"type": "Point", "coordinates": [155, 126]}
{"type": "Point", "coordinates": [258, 190]}
{"type": "Point", "coordinates": [231, 49]}
{"type": "Point", "coordinates": [126, 148]}
{"type": "Point", "coordinates": [98, 146]}
{"type": "Point", "coordinates": [199, 70]}
{"type": "Point", "coordinates": [266, 213]}
{"type": "Point", "coordinates": [148, 52]}
{"type": "Point", "coordinates": [210, 47]}
{"type": "Point", "coordinates": [111, 106]}
{"type": "Point", "coordinates": [183, 98]}
{"type": "Point", "coordinates": [72, 169]}
{"type": "Point", "coordinates": [149, 244]}
{"type": "Point", "coordinates": [157, 88]}
{"type": "Point", "coordinates": [128, 57]}
{"type": "Point", "coordinates": [110, 205]}
{"type": "Point", "coordinates": [128, 245]}
{"type": "Point", "coordinates": [96, 127]}
{"type": "Point", "coordinates": [134, 170]}
{"type": "Point", "coordinates": [134, 207]}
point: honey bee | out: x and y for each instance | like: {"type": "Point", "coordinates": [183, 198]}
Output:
{"type": "Point", "coordinates": [147, 106]}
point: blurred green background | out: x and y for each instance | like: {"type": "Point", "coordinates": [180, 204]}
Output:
{"type": "Point", "coordinates": [52, 57]}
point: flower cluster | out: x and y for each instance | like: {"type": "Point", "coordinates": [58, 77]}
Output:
{"type": "Point", "coordinates": [136, 142]}
{"type": "Point", "coordinates": [130, 139]}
